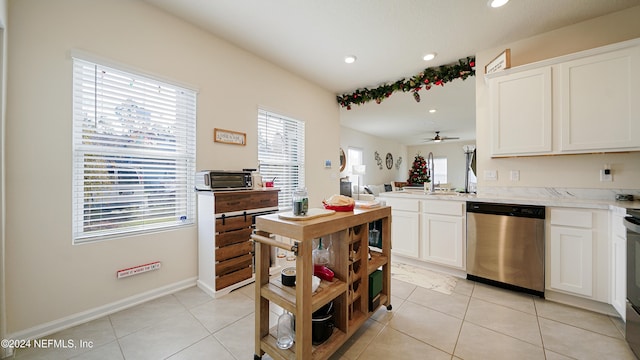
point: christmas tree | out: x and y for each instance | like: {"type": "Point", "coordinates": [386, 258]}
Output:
{"type": "Point", "coordinates": [419, 173]}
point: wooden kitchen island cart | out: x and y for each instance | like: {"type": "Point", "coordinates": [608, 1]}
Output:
{"type": "Point", "coordinates": [353, 301]}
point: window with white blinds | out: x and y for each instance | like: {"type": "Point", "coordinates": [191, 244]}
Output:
{"type": "Point", "coordinates": [281, 153]}
{"type": "Point", "coordinates": [133, 153]}
{"type": "Point", "coordinates": [440, 170]}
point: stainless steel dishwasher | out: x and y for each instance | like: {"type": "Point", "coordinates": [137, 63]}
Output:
{"type": "Point", "coordinates": [505, 245]}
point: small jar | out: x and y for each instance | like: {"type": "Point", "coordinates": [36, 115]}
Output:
{"type": "Point", "coordinates": [256, 179]}
{"type": "Point", "coordinates": [300, 202]}
{"type": "Point", "coordinates": [285, 333]}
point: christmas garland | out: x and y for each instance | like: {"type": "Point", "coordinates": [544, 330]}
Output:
{"type": "Point", "coordinates": [429, 77]}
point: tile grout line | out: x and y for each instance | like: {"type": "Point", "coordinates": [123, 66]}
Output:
{"type": "Point", "coordinates": [113, 329]}
{"type": "Point", "coordinates": [463, 320]}
{"type": "Point", "coordinates": [535, 308]}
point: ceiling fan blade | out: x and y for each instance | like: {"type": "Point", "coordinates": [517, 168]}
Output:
{"type": "Point", "coordinates": [439, 138]}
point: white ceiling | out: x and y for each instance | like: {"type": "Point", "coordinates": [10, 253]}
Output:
{"type": "Point", "coordinates": [389, 38]}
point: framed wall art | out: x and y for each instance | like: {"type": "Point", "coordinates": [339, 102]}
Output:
{"type": "Point", "coordinates": [229, 137]}
{"type": "Point", "coordinates": [501, 62]}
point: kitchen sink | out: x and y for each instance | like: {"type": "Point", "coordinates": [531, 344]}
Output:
{"type": "Point", "coordinates": [436, 193]}
{"type": "Point", "coordinates": [443, 193]}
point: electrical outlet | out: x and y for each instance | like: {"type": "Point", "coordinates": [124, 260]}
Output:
{"type": "Point", "coordinates": [491, 175]}
{"type": "Point", "coordinates": [515, 175]}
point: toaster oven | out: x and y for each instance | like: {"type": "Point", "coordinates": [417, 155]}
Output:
{"type": "Point", "coordinates": [223, 180]}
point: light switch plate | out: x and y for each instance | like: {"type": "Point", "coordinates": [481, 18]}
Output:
{"type": "Point", "coordinates": [604, 176]}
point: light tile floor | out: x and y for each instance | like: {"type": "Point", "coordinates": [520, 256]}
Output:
{"type": "Point", "coordinates": [475, 322]}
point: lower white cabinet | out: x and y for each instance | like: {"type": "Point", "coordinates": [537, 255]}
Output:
{"type": "Point", "coordinates": [432, 231]}
{"type": "Point", "coordinates": [572, 260]}
{"type": "Point", "coordinates": [405, 229]}
{"type": "Point", "coordinates": [442, 233]}
{"type": "Point", "coordinates": [618, 262]}
{"type": "Point", "coordinates": [578, 252]}
{"type": "Point", "coordinates": [404, 233]}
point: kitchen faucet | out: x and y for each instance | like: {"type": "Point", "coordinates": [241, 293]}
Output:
{"type": "Point", "coordinates": [431, 168]}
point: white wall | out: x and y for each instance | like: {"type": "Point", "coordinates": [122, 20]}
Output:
{"type": "Point", "coordinates": [3, 98]}
{"type": "Point", "coordinates": [369, 145]}
{"type": "Point", "coordinates": [454, 153]}
{"type": "Point", "coordinates": [48, 278]}
{"type": "Point", "coordinates": [569, 171]}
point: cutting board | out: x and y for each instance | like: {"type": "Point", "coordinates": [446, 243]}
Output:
{"type": "Point", "coordinates": [311, 214]}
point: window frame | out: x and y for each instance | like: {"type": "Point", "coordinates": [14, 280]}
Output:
{"type": "Point", "coordinates": [153, 179]}
{"type": "Point", "coordinates": [273, 164]}
{"type": "Point", "coordinates": [355, 156]}
{"type": "Point", "coordinates": [439, 173]}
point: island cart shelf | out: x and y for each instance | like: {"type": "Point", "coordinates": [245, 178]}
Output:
{"type": "Point", "coordinates": [349, 290]}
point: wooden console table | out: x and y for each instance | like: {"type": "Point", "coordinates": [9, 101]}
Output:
{"type": "Point", "coordinates": [349, 289]}
{"type": "Point", "coordinates": [225, 219]}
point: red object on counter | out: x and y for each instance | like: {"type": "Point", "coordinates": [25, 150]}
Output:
{"type": "Point", "coordinates": [343, 208]}
{"type": "Point", "coordinates": [323, 272]}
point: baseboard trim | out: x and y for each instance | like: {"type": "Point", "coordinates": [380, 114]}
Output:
{"type": "Point", "coordinates": [576, 301]}
{"type": "Point", "coordinates": [218, 293]}
{"type": "Point", "coordinates": [54, 326]}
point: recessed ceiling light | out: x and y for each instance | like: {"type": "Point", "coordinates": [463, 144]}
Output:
{"type": "Point", "coordinates": [430, 56]}
{"type": "Point", "coordinates": [350, 59]}
{"type": "Point", "coordinates": [497, 3]}
{"type": "Point", "coordinates": [432, 111]}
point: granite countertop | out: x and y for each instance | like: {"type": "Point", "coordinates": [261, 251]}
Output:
{"type": "Point", "coordinates": [584, 198]}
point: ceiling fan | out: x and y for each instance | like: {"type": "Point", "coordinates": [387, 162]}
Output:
{"type": "Point", "coordinates": [439, 138]}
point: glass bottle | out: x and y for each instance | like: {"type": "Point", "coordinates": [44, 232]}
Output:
{"type": "Point", "coordinates": [300, 202]}
{"type": "Point", "coordinates": [284, 334]}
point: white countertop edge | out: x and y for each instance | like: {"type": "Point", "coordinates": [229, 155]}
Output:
{"type": "Point", "coordinates": [574, 203]}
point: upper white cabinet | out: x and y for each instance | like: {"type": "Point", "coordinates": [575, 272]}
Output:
{"type": "Point", "coordinates": [521, 113]}
{"type": "Point", "coordinates": [600, 101]}
{"type": "Point", "coordinates": [579, 103]}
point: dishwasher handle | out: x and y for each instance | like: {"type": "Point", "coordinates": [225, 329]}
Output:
{"type": "Point", "coordinates": [517, 210]}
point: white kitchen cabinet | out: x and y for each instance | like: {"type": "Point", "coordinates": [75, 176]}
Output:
{"type": "Point", "coordinates": [572, 260]}
{"type": "Point", "coordinates": [578, 253]}
{"type": "Point", "coordinates": [405, 230]}
{"type": "Point", "coordinates": [566, 105]}
{"type": "Point", "coordinates": [442, 233]}
{"type": "Point", "coordinates": [521, 105]}
{"type": "Point", "coordinates": [618, 262]}
{"type": "Point", "coordinates": [600, 115]}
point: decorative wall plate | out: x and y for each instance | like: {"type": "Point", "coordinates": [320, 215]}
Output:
{"type": "Point", "coordinates": [389, 160]}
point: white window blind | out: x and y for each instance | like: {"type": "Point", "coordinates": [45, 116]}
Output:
{"type": "Point", "coordinates": [133, 153]}
{"type": "Point", "coordinates": [281, 153]}
{"type": "Point", "coordinates": [440, 173]}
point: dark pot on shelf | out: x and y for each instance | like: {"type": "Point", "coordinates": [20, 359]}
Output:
{"type": "Point", "coordinates": [322, 324]}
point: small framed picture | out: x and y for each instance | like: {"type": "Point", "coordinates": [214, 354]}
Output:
{"type": "Point", "coordinates": [501, 62]}
{"type": "Point", "coordinates": [229, 137]}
